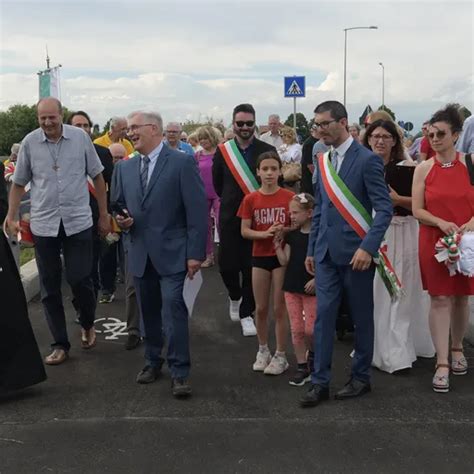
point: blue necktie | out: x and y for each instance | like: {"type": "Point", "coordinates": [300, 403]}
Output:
{"type": "Point", "coordinates": [144, 172]}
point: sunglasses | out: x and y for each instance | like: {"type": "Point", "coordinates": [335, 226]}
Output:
{"type": "Point", "coordinates": [241, 123]}
{"type": "Point", "coordinates": [440, 134]}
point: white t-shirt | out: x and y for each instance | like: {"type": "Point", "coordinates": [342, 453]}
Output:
{"type": "Point", "coordinates": [274, 140]}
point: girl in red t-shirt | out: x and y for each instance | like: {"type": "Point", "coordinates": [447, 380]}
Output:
{"type": "Point", "coordinates": [264, 213]}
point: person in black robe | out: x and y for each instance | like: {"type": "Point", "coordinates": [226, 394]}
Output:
{"type": "Point", "coordinates": [20, 360]}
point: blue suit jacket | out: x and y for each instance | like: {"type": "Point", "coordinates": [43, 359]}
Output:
{"type": "Point", "coordinates": [170, 219]}
{"type": "Point", "coordinates": [362, 172]}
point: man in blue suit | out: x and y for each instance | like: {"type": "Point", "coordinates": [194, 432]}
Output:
{"type": "Point", "coordinates": [341, 260]}
{"type": "Point", "coordinates": [160, 200]}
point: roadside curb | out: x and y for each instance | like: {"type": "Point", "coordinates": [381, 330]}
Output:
{"type": "Point", "coordinates": [30, 279]}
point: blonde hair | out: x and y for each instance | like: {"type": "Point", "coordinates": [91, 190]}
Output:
{"type": "Point", "coordinates": [208, 132]}
{"type": "Point", "coordinates": [290, 133]}
{"type": "Point", "coordinates": [193, 139]}
{"type": "Point", "coordinates": [304, 200]}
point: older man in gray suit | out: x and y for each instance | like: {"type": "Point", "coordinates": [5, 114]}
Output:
{"type": "Point", "coordinates": [161, 201]}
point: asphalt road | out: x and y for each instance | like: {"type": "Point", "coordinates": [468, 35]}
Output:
{"type": "Point", "coordinates": [90, 416]}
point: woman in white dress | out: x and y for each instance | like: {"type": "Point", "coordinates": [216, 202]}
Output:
{"type": "Point", "coordinates": [401, 327]}
{"type": "Point", "coordinates": [290, 151]}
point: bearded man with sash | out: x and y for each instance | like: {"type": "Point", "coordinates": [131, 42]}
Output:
{"type": "Point", "coordinates": [234, 176]}
{"type": "Point", "coordinates": [343, 243]}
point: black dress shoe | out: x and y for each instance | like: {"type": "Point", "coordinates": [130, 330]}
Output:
{"type": "Point", "coordinates": [133, 341]}
{"type": "Point", "coordinates": [180, 388]}
{"type": "Point", "coordinates": [353, 388]}
{"type": "Point", "coordinates": [148, 374]}
{"type": "Point", "coordinates": [314, 396]}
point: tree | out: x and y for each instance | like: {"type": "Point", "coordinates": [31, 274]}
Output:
{"type": "Point", "coordinates": [191, 126]}
{"type": "Point", "coordinates": [15, 124]}
{"type": "Point", "coordinates": [302, 127]}
{"type": "Point", "coordinates": [388, 110]}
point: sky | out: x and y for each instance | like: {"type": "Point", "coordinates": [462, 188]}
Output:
{"type": "Point", "coordinates": [190, 60]}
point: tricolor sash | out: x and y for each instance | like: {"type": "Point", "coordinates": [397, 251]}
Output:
{"type": "Point", "coordinates": [355, 214]}
{"type": "Point", "coordinates": [238, 167]}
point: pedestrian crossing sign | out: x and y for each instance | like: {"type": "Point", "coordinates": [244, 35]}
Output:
{"type": "Point", "coordinates": [294, 86]}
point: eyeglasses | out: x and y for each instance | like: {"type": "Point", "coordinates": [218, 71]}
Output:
{"type": "Point", "coordinates": [241, 123]}
{"type": "Point", "coordinates": [172, 131]}
{"type": "Point", "coordinates": [385, 138]}
{"type": "Point", "coordinates": [134, 128]}
{"type": "Point", "coordinates": [440, 134]}
{"type": "Point", "coordinates": [324, 124]}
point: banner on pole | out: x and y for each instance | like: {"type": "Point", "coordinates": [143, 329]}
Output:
{"type": "Point", "coordinates": [49, 83]}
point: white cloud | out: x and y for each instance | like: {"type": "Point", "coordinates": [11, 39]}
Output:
{"type": "Point", "coordinates": [215, 55]}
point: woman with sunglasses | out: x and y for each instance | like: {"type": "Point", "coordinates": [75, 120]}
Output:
{"type": "Point", "coordinates": [443, 202]}
{"type": "Point", "coordinates": [290, 151]}
{"type": "Point", "coordinates": [401, 327]}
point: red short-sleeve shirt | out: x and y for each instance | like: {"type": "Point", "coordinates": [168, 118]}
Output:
{"type": "Point", "coordinates": [265, 210]}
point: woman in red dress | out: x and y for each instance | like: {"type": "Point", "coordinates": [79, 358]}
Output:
{"type": "Point", "coordinates": [443, 202]}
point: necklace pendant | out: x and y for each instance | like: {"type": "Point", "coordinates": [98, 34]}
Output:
{"type": "Point", "coordinates": [55, 167]}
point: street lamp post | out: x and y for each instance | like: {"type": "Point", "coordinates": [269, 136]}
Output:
{"type": "Point", "coordinates": [345, 51]}
{"type": "Point", "coordinates": [383, 84]}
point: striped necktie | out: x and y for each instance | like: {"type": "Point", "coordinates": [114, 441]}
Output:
{"type": "Point", "coordinates": [144, 172]}
{"type": "Point", "coordinates": [334, 159]}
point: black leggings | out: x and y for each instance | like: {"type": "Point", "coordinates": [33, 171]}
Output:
{"type": "Point", "coordinates": [237, 289]}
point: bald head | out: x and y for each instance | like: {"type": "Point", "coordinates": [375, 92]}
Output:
{"type": "Point", "coordinates": [50, 117]}
{"type": "Point", "coordinates": [50, 102]}
{"type": "Point", "coordinates": [118, 152]}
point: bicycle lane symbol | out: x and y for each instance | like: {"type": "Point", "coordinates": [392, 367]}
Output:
{"type": "Point", "coordinates": [112, 328]}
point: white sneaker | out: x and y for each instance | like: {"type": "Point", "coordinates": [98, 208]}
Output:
{"type": "Point", "coordinates": [234, 307]}
{"type": "Point", "coordinates": [248, 326]}
{"type": "Point", "coordinates": [262, 361]}
{"type": "Point", "coordinates": [277, 365]}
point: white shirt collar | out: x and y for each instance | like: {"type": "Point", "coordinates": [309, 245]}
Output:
{"type": "Point", "coordinates": [343, 147]}
{"type": "Point", "coordinates": [153, 155]}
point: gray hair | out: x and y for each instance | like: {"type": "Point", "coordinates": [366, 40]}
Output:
{"type": "Point", "coordinates": [151, 117]}
{"type": "Point", "coordinates": [355, 125]}
{"type": "Point", "coordinates": [274, 116]}
{"type": "Point", "coordinates": [15, 149]}
{"type": "Point", "coordinates": [177, 124]}
{"type": "Point", "coordinates": [115, 120]}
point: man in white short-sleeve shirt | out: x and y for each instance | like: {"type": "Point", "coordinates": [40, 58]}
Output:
{"type": "Point", "coordinates": [60, 163]}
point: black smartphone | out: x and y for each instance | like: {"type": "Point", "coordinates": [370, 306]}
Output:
{"type": "Point", "coordinates": [119, 211]}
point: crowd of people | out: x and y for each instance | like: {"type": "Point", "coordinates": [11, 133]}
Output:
{"type": "Point", "coordinates": [301, 230]}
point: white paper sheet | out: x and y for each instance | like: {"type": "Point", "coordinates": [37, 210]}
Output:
{"type": "Point", "coordinates": [190, 291]}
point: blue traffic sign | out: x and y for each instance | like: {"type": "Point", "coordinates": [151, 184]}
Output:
{"type": "Point", "coordinates": [295, 86]}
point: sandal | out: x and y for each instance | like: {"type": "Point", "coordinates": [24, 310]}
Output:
{"type": "Point", "coordinates": [58, 356]}
{"type": "Point", "coordinates": [88, 338]}
{"type": "Point", "coordinates": [441, 382]}
{"type": "Point", "coordinates": [459, 366]}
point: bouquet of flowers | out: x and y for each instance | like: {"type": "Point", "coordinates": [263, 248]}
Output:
{"type": "Point", "coordinates": [456, 251]}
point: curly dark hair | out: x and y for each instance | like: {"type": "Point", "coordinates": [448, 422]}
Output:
{"type": "Point", "coordinates": [450, 114]}
{"type": "Point", "coordinates": [388, 125]}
